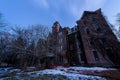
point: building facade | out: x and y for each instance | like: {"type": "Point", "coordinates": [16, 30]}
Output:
{"type": "Point", "coordinates": [90, 42]}
{"type": "Point", "coordinates": [57, 44]}
{"type": "Point", "coordinates": [75, 51]}
{"type": "Point", "coordinates": [99, 46]}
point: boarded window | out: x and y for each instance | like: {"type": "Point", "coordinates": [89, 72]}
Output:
{"type": "Point", "coordinates": [96, 55]}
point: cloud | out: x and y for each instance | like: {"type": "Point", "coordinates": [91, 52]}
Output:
{"type": "Point", "coordinates": [74, 8]}
{"type": "Point", "coordinates": [77, 7]}
{"type": "Point", "coordinates": [41, 3]}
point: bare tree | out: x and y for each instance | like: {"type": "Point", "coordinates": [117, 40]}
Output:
{"type": "Point", "coordinates": [118, 19]}
{"type": "Point", "coordinates": [31, 40]}
{"type": "Point", "coordinates": [118, 23]}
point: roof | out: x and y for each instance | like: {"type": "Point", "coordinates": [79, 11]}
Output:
{"type": "Point", "coordinates": [89, 12]}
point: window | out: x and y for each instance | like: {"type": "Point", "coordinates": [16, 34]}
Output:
{"type": "Point", "coordinates": [61, 47]}
{"type": "Point", "coordinates": [71, 47]}
{"type": "Point", "coordinates": [82, 57]}
{"type": "Point", "coordinates": [78, 44]}
{"type": "Point", "coordinates": [78, 36]}
{"type": "Point", "coordinates": [91, 42]}
{"type": "Point", "coordinates": [87, 31]}
{"type": "Point", "coordinates": [73, 29]}
{"type": "Point", "coordinates": [96, 55]}
{"type": "Point", "coordinates": [76, 28]}
{"type": "Point", "coordinates": [97, 27]}
{"type": "Point", "coordinates": [84, 23]}
{"type": "Point", "coordinates": [60, 40]}
{"type": "Point", "coordinates": [102, 37]}
{"type": "Point", "coordinates": [92, 18]}
{"type": "Point", "coordinates": [75, 35]}
{"type": "Point", "coordinates": [50, 50]}
{"type": "Point", "coordinates": [60, 33]}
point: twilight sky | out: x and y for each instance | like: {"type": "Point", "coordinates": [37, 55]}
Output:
{"type": "Point", "coordinates": [67, 12]}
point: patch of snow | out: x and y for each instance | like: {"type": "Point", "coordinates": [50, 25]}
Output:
{"type": "Point", "coordinates": [71, 76]}
{"type": "Point", "coordinates": [49, 71]}
{"type": "Point", "coordinates": [74, 76]}
{"type": "Point", "coordinates": [5, 70]}
{"type": "Point", "coordinates": [70, 73]}
{"type": "Point", "coordinates": [31, 67]}
{"type": "Point", "coordinates": [85, 68]}
{"type": "Point", "coordinates": [92, 68]}
{"type": "Point", "coordinates": [15, 70]}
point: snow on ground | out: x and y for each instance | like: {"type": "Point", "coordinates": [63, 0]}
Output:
{"type": "Point", "coordinates": [59, 73]}
{"type": "Point", "coordinates": [71, 76]}
{"type": "Point", "coordinates": [85, 68]}
{"type": "Point", "coordinates": [92, 68]}
{"type": "Point", "coordinates": [8, 70]}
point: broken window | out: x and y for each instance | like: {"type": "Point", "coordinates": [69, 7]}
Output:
{"type": "Point", "coordinates": [96, 55]}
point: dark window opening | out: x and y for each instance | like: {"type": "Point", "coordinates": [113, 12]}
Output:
{"type": "Point", "coordinates": [96, 55]}
{"type": "Point", "coordinates": [76, 28]}
{"type": "Point", "coordinates": [109, 51]}
{"type": "Point", "coordinates": [111, 56]}
{"type": "Point", "coordinates": [91, 41]}
{"type": "Point", "coordinates": [61, 59]}
{"type": "Point", "coordinates": [92, 18]}
{"type": "Point", "coordinates": [82, 57]}
{"type": "Point", "coordinates": [79, 44]}
{"type": "Point", "coordinates": [103, 40]}
{"type": "Point", "coordinates": [71, 47]}
{"type": "Point", "coordinates": [72, 29]}
{"type": "Point", "coordinates": [84, 23]}
{"type": "Point", "coordinates": [97, 27]}
{"type": "Point", "coordinates": [87, 31]}
{"type": "Point", "coordinates": [50, 50]}
{"type": "Point", "coordinates": [78, 35]}
{"type": "Point", "coordinates": [102, 37]}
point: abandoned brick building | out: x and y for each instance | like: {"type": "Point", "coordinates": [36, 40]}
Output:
{"type": "Point", "coordinates": [90, 42]}
{"type": "Point", "coordinates": [57, 44]}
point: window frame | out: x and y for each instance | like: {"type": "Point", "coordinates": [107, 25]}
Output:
{"type": "Point", "coordinates": [95, 55]}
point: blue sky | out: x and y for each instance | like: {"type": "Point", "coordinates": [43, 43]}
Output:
{"type": "Point", "coordinates": [67, 12]}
